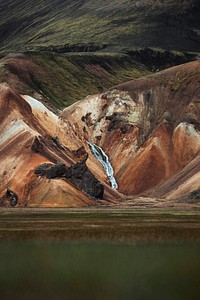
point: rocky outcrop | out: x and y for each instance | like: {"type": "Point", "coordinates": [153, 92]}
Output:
{"type": "Point", "coordinates": [78, 174]}
{"type": "Point", "coordinates": [157, 60]}
{"type": "Point", "coordinates": [52, 149]}
{"type": "Point", "coordinates": [195, 196]}
{"type": "Point", "coordinates": [9, 198]}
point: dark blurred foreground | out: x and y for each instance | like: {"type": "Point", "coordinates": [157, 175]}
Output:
{"type": "Point", "coordinates": [94, 265]}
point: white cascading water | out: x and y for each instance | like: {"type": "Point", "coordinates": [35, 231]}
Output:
{"type": "Point", "coordinates": [103, 159]}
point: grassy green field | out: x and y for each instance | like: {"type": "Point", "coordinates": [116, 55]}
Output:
{"type": "Point", "coordinates": [99, 224]}
{"type": "Point", "coordinates": [99, 254]}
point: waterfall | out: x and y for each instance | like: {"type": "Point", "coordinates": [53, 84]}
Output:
{"type": "Point", "coordinates": [103, 159]}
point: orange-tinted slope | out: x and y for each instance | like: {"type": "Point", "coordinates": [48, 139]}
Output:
{"type": "Point", "coordinates": [148, 127]}
{"type": "Point", "coordinates": [182, 184]}
{"type": "Point", "coordinates": [170, 125]}
{"type": "Point", "coordinates": [27, 140]}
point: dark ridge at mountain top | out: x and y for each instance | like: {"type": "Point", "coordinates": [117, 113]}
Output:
{"type": "Point", "coordinates": [120, 25]}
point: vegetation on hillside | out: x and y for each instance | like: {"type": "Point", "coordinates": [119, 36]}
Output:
{"type": "Point", "coordinates": [172, 24]}
{"type": "Point", "coordinates": [64, 79]}
{"type": "Point", "coordinates": [84, 47]}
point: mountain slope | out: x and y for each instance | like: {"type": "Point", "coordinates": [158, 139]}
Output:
{"type": "Point", "coordinates": [148, 127]}
{"type": "Point", "coordinates": [34, 143]}
{"type": "Point", "coordinates": [118, 25]}
{"type": "Point", "coordinates": [61, 80]}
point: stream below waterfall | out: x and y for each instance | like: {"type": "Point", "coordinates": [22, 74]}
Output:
{"type": "Point", "coordinates": [104, 160]}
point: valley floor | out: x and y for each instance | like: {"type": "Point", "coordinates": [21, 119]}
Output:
{"type": "Point", "coordinates": [100, 253]}
{"type": "Point", "coordinates": [100, 224]}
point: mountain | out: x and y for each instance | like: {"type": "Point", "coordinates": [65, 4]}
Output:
{"type": "Point", "coordinates": [99, 103]}
{"type": "Point", "coordinates": [72, 49]}
{"type": "Point", "coordinates": [34, 140]}
{"type": "Point", "coordinates": [62, 79]}
{"type": "Point", "coordinates": [91, 24]}
{"type": "Point", "coordinates": [148, 128]}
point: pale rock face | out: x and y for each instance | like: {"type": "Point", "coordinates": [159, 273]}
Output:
{"type": "Point", "coordinates": [186, 140]}
{"type": "Point", "coordinates": [17, 126]}
{"type": "Point", "coordinates": [47, 118]}
{"type": "Point", "coordinates": [38, 108]}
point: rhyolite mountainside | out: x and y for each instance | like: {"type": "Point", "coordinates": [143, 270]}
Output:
{"type": "Point", "coordinates": [148, 127]}
{"type": "Point", "coordinates": [135, 65]}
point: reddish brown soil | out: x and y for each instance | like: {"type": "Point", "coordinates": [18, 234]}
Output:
{"type": "Point", "coordinates": [148, 127]}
